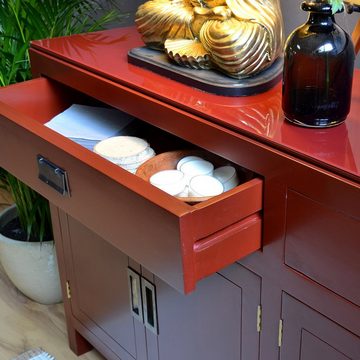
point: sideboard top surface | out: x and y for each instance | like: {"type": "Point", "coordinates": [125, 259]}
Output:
{"type": "Point", "coordinates": [259, 116]}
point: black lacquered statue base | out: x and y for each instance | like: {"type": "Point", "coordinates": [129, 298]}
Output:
{"type": "Point", "coordinates": [208, 80]}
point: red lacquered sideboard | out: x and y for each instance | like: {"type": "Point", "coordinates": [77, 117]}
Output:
{"type": "Point", "coordinates": [268, 270]}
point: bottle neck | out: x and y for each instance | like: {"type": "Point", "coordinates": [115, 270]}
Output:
{"type": "Point", "coordinates": [320, 14]}
{"type": "Point", "coordinates": [321, 19]}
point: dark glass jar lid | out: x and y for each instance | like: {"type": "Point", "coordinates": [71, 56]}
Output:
{"type": "Point", "coordinates": [317, 6]}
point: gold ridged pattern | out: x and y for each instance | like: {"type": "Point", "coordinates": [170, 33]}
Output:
{"type": "Point", "coordinates": [266, 13]}
{"type": "Point", "coordinates": [201, 15]}
{"type": "Point", "coordinates": [163, 19]}
{"type": "Point", "coordinates": [196, 3]}
{"type": "Point", "coordinates": [209, 3]}
{"type": "Point", "coordinates": [242, 37]}
{"type": "Point", "coordinates": [238, 48]}
{"type": "Point", "coordinates": [189, 53]}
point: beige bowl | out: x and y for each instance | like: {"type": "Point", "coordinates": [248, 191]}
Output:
{"type": "Point", "coordinates": [123, 150]}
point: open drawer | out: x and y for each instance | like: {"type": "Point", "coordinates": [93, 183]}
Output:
{"type": "Point", "coordinates": [178, 242]}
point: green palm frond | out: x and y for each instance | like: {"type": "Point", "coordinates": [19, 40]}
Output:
{"type": "Point", "coordinates": [32, 208]}
{"type": "Point", "coordinates": [20, 22]}
{"type": "Point", "coordinates": [24, 20]}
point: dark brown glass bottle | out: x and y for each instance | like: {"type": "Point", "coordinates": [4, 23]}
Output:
{"type": "Point", "coordinates": [318, 70]}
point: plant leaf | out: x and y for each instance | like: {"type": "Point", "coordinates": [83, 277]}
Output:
{"type": "Point", "coordinates": [337, 5]}
{"type": "Point", "coordinates": [20, 22]}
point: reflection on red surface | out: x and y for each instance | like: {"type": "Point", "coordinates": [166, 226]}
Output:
{"type": "Point", "coordinates": [259, 115]}
{"type": "Point", "coordinates": [338, 146]}
{"type": "Point", "coordinates": [262, 118]}
{"type": "Point", "coordinates": [331, 145]}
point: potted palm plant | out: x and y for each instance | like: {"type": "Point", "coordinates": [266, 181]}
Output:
{"type": "Point", "coordinates": [27, 253]}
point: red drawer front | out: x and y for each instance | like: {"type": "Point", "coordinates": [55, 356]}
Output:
{"type": "Point", "coordinates": [174, 240]}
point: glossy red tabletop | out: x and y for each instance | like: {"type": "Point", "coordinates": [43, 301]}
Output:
{"type": "Point", "coordinates": [259, 116]}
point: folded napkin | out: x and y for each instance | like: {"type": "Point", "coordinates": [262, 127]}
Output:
{"type": "Point", "coordinates": [89, 122]}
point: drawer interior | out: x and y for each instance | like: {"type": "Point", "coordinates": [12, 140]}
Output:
{"type": "Point", "coordinates": [179, 242]}
{"type": "Point", "coordinates": [41, 100]}
{"type": "Point", "coordinates": [56, 97]}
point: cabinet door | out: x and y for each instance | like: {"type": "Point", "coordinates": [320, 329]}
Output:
{"type": "Point", "coordinates": [308, 335]}
{"type": "Point", "coordinates": [217, 321]}
{"type": "Point", "coordinates": [99, 291]}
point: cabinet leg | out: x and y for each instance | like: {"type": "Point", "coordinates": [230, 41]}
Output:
{"type": "Point", "coordinates": [78, 344]}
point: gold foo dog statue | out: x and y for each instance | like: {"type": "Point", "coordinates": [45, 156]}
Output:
{"type": "Point", "coordinates": [238, 37]}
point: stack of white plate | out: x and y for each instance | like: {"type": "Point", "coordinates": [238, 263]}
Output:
{"type": "Point", "coordinates": [129, 152]}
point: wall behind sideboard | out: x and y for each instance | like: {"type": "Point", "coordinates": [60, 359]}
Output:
{"type": "Point", "coordinates": [292, 14]}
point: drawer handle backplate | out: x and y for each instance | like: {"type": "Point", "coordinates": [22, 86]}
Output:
{"type": "Point", "coordinates": [53, 175]}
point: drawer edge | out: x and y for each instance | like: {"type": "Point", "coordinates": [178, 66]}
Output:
{"type": "Point", "coordinates": [225, 247]}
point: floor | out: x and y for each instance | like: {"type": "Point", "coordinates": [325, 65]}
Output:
{"type": "Point", "coordinates": [25, 325]}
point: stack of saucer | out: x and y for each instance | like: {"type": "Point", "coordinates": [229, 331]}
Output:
{"type": "Point", "coordinates": [203, 180]}
{"type": "Point", "coordinates": [129, 152]}
{"type": "Point", "coordinates": [194, 177]}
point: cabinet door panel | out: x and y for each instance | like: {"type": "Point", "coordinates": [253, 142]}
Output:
{"type": "Point", "coordinates": [314, 348]}
{"type": "Point", "coordinates": [99, 287]}
{"type": "Point", "coordinates": [308, 335]}
{"type": "Point", "coordinates": [322, 242]}
{"type": "Point", "coordinates": [213, 322]}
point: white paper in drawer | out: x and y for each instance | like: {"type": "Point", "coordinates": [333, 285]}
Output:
{"type": "Point", "coordinates": [87, 125]}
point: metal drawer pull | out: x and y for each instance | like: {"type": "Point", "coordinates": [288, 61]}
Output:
{"type": "Point", "coordinates": [53, 175]}
{"type": "Point", "coordinates": [135, 295]}
{"type": "Point", "coordinates": [150, 312]}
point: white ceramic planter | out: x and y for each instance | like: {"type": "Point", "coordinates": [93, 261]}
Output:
{"type": "Point", "coordinates": [31, 266]}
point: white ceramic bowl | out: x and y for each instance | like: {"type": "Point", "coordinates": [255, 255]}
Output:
{"type": "Point", "coordinates": [187, 159]}
{"type": "Point", "coordinates": [170, 181]}
{"type": "Point", "coordinates": [196, 167]}
{"type": "Point", "coordinates": [227, 175]}
{"type": "Point", "coordinates": [205, 185]}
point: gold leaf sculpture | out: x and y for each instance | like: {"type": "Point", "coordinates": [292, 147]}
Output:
{"type": "Point", "coordinates": [159, 20]}
{"type": "Point", "coordinates": [189, 53]}
{"type": "Point", "coordinates": [238, 37]}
